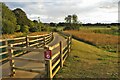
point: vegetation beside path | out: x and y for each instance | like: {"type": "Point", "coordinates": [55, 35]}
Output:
{"type": "Point", "coordinates": [86, 61]}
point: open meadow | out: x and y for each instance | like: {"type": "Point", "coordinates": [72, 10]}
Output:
{"type": "Point", "coordinates": [103, 38]}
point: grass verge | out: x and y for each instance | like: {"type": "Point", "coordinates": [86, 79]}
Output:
{"type": "Point", "coordinates": [86, 61]}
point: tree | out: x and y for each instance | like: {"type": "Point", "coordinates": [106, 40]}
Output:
{"type": "Point", "coordinates": [68, 19]}
{"type": "Point", "coordinates": [8, 20]}
{"type": "Point", "coordinates": [72, 22]}
{"type": "Point", "coordinates": [8, 27]}
{"type": "Point", "coordinates": [22, 17]}
{"type": "Point", "coordinates": [74, 18]}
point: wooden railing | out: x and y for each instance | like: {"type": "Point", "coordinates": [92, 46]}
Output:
{"type": "Point", "coordinates": [56, 62]}
{"type": "Point", "coordinates": [12, 59]}
{"type": "Point", "coordinates": [52, 65]}
{"type": "Point", "coordinates": [28, 41]}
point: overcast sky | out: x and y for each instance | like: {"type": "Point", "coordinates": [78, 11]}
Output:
{"type": "Point", "coordinates": [88, 11]}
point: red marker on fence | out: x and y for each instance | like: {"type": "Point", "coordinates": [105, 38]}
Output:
{"type": "Point", "coordinates": [47, 54]}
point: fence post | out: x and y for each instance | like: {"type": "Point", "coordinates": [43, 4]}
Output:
{"type": "Point", "coordinates": [48, 66]}
{"type": "Point", "coordinates": [27, 41]}
{"type": "Point", "coordinates": [61, 58]}
{"type": "Point", "coordinates": [49, 69]}
{"type": "Point", "coordinates": [38, 41]}
{"type": "Point", "coordinates": [44, 41]}
{"type": "Point", "coordinates": [71, 39]}
{"type": "Point", "coordinates": [68, 44]}
{"type": "Point", "coordinates": [10, 53]}
{"type": "Point", "coordinates": [52, 36]}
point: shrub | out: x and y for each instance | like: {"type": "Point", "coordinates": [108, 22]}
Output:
{"type": "Point", "coordinates": [25, 29]}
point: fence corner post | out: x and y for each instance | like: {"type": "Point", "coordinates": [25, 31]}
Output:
{"type": "Point", "coordinates": [48, 66]}
{"type": "Point", "coordinates": [11, 61]}
{"type": "Point", "coordinates": [61, 55]}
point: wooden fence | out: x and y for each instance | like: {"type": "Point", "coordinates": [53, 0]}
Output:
{"type": "Point", "coordinates": [56, 62]}
{"type": "Point", "coordinates": [12, 58]}
{"type": "Point", "coordinates": [52, 65]}
{"type": "Point", "coordinates": [25, 42]}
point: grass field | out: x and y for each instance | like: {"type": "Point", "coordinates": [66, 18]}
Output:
{"type": "Point", "coordinates": [86, 61]}
{"type": "Point", "coordinates": [103, 41]}
{"type": "Point", "coordinates": [113, 30]}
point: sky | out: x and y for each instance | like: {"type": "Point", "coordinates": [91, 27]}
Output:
{"type": "Point", "coordinates": [88, 11]}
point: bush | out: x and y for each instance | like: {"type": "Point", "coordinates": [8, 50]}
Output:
{"type": "Point", "coordinates": [25, 29]}
{"type": "Point", "coordinates": [114, 28]}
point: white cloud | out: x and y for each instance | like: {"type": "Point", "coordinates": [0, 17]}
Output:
{"type": "Point", "coordinates": [55, 10]}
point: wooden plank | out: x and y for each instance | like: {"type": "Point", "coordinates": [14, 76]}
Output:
{"type": "Point", "coordinates": [46, 37]}
{"type": "Point", "coordinates": [40, 36]}
{"type": "Point", "coordinates": [33, 44]}
{"type": "Point", "coordinates": [3, 59]}
{"type": "Point", "coordinates": [40, 39]}
{"type": "Point", "coordinates": [3, 53]}
{"type": "Point", "coordinates": [3, 46]}
{"type": "Point", "coordinates": [65, 53]}
{"type": "Point", "coordinates": [41, 45]}
{"type": "Point", "coordinates": [19, 38]}
{"type": "Point", "coordinates": [32, 36]}
{"type": "Point", "coordinates": [30, 70]}
{"type": "Point", "coordinates": [65, 58]}
{"type": "Point", "coordinates": [27, 59]}
{"type": "Point", "coordinates": [19, 43]}
{"type": "Point", "coordinates": [55, 64]}
{"type": "Point", "coordinates": [64, 47]}
{"type": "Point", "coordinates": [33, 40]}
{"type": "Point", "coordinates": [56, 71]}
{"type": "Point", "coordinates": [20, 53]}
{"type": "Point", "coordinates": [55, 55]}
{"type": "Point", "coordinates": [2, 40]}
{"type": "Point", "coordinates": [55, 46]}
{"type": "Point", "coordinates": [47, 41]}
{"type": "Point", "coordinates": [27, 49]}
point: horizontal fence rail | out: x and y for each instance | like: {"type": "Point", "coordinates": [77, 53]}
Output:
{"type": "Point", "coordinates": [56, 62]}
{"type": "Point", "coordinates": [24, 42]}
{"type": "Point", "coordinates": [12, 59]}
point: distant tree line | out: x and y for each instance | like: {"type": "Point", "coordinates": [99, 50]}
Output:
{"type": "Point", "coordinates": [16, 21]}
{"type": "Point", "coordinates": [87, 24]}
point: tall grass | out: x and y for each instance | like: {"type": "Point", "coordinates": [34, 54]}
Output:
{"type": "Point", "coordinates": [113, 30]}
{"type": "Point", "coordinates": [103, 41]}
